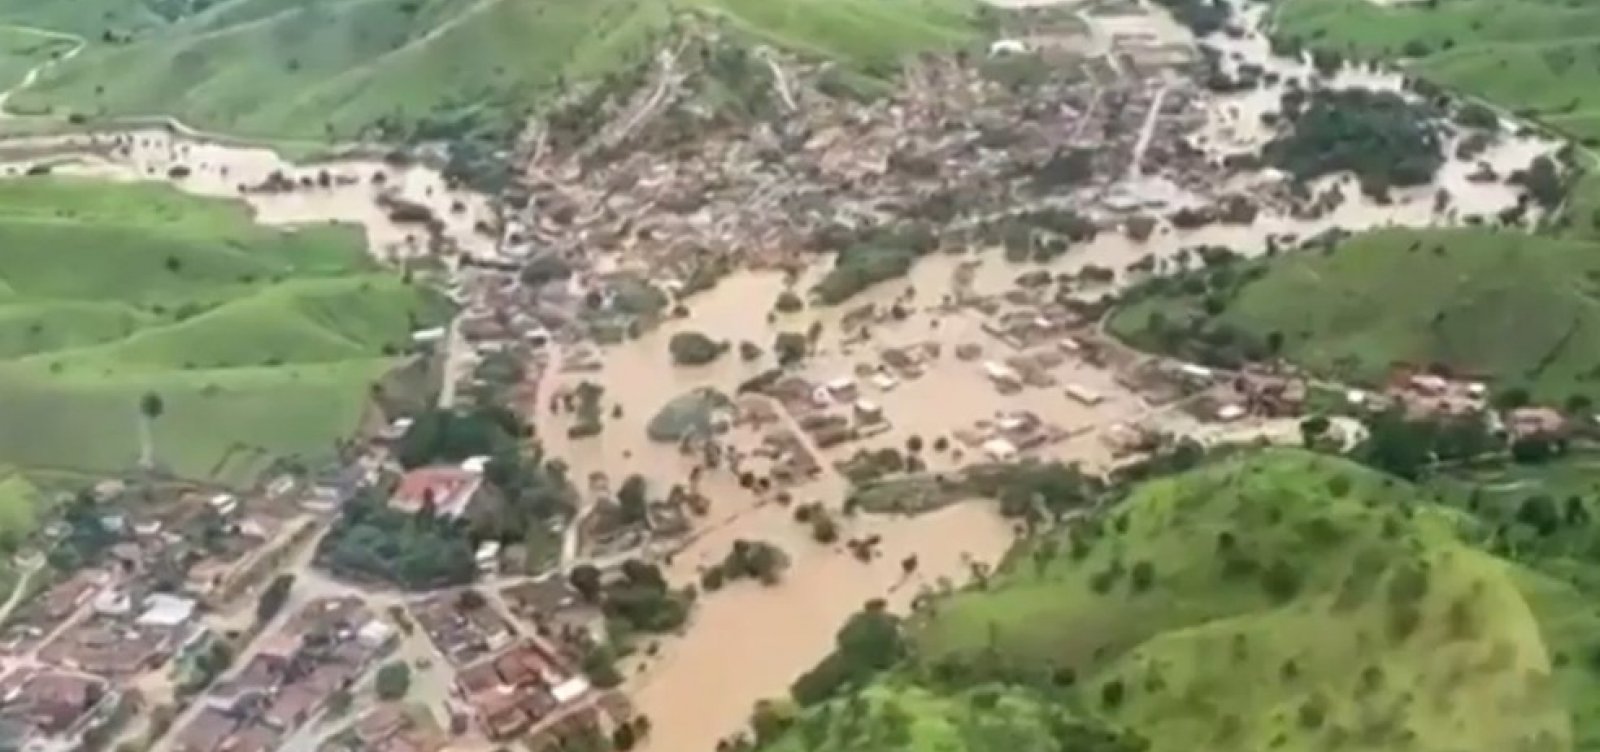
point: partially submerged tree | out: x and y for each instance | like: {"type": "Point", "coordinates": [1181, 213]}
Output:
{"type": "Point", "coordinates": [150, 408]}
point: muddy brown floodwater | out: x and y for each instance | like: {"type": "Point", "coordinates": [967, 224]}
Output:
{"type": "Point", "coordinates": [217, 169]}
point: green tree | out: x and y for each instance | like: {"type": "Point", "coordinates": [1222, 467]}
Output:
{"type": "Point", "coordinates": [393, 680]}
{"type": "Point", "coordinates": [273, 597]}
{"type": "Point", "coordinates": [151, 407]}
{"type": "Point", "coordinates": [790, 347]}
{"type": "Point", "coordinates": [631, 498]}
{"type": "Point", "coordinates": [585, 578]}
{"type": "Point", "coordinates": [693, 348]}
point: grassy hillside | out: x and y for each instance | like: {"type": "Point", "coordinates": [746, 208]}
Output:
{"type": "Point", "coordinates": [897, 716]}
{"type": "Point", "coordinates": [22, 49]}
{"type": "Point", "coordinates": [1515, 308]}
{"type": "Point", "coordinates": [310, 69]}
{"type": "Point", "coordinates": [1272, 600]}
{"type": "Point", "coordinates": [261, 342]}
{"type": "Point", "coordinates": [1536, 56]}
{"type": "Point", "coordinates": [21, 503]}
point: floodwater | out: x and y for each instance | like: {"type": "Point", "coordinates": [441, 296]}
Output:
{"type": "Point", "coordinates": [749, 641]}
{"type": "Point", "coordinates": [230, 171]}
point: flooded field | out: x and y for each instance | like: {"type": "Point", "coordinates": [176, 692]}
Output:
{"type": "Point", "coordinates": [280, 192]}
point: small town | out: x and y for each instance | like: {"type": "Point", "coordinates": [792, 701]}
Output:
{"type": "Point", "coordinates": [737, 355]}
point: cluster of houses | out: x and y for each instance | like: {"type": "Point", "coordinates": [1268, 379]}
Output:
{"type": "Point", "coordinates": [293, 674]}
{"type": "Point", "coordinates": [51, 710]}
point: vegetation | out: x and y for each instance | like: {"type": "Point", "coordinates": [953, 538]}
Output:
{"type": "Point", "coordinates": [258, 344]}
{"type": "Point", "coordinates": [687, 414]}
{"type": "Point", "coordinates": [756, 560]}
{"type": "Point", "coordinates": [876, 256]}
{"type": "Point", "coordinates": [1379, 136]}
{"type": "Point", "coordinates": [1295, 594]}
{"type": "Point", "coordinates": [870, 642]}
{"type": "Point", "coordinates": [1528, 56]}
{"type": "Point", "coordinates": [21, 504]}
{"type": "Point", "coordinates": [374, 541]}
{"type": "Point", "coordinates": [694, 349]}
{"type": "Point", "coordinates": [273, 598]}
{"type": "Point", "coordinates": [1509, 307]}
{"type": "Point", "coordinates": [641, 601]}
{"type": "Point", "coordinates": [418, 69]}
{"type": "Point", "coordinates": [393, 680]}
{"type": "Point", "coordinates": [1024, 489]}
{"type": "Point", "coordinates": [450, 436]}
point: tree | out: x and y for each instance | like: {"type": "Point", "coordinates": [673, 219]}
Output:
{"type": "Point", "coordinates": [631, 498]}
{"type": "Point", "coordinates": [790, 347]}
{"type": "Point", "coordinates": [393, 680]}
{"type": "Point", "coordinates": [1143, 576]}
{"type": "Point", "coordinates": [1396, 445]}
{"type": "Point", "coordinates": [273, 598]}
{"type": "Point", "coordinates": [771, 718]}
{"type": "Point", "coordinates": [150, 408]}
{"type": "Point", "coordinates": [788, 302]}
{"type": "Point", "coordinates": [1313, 428]}
{"type": "Point", "coordinates": [1532, 450]}
{"type": "Point", "coordinates": [623, 738]}
{"type": "Point", "coordinates": [585, 579]}
{"type": "Point", "coordinates": [693, 348]}
{"type": "Point", "coordinates": [1539, 512]}
{"type": "Point", "coordinates": [1111, 694]}
{"type": "Point", "coordinates": [600, 665]}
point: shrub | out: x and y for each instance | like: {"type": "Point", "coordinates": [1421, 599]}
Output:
{"type": "Point", "coordinates": [694, 349]}
{"type": "Point", "coordinates": [393, 680]}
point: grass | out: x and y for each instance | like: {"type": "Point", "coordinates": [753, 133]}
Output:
{"type": "Point", "coordinates": [21, 503]}
{"type": "Point", "coordinates": [895, 717]}
{"type": "Point", "coordinates": [1513, 308]}
{"type": "Point", "coordinates": [315, 71]}
{"type": "Point", "coordinates": [261, 342]}
{"type": "Point", "coordinates": [21, 50]}
{"type": "Point", "coordinates": [1294, 602]}
{"type": "Point", "coordinates": [1537, 57]}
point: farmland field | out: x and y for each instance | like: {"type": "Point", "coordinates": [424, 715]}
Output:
{"type": "Point", "coordinates": [261, 343]}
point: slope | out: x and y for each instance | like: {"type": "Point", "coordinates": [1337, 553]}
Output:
{"type": "Point", "coordinates": [1518, 309]}
{"type": "Point", "coordinates": [1271, 599]}
{"type": "Point", "coordinates": [1281, 600]}
{"type": "Point", "coordinates": [260, 342]}
{"type": "Point", "coordinates": [1534, 56]}
{"type": "Point", "coordinates": [433, 68]}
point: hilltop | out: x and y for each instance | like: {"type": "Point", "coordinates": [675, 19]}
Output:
{"type": "Point", "coordinates": [260, 342]}
{"type": "Point", "coordinates": [1272, 600]}
{"type": "Point", "coordinates": [1532, 56]}
{"type": "Point", "coordinates": [1514, 308]}
{"type": "Point", "coordinates": [421, 69]}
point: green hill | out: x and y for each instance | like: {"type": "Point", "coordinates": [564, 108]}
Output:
{"type": "Point", "coordinates": [321, 70]}
{"type": "Point", "coordinates": [1535, 56]}
{"type": "Point", "coordinates": [261, 342]}
{"type": "Point", "coordinates": [1272, 600]}
{"type": "Point", "coordinates": [1518, 309]}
